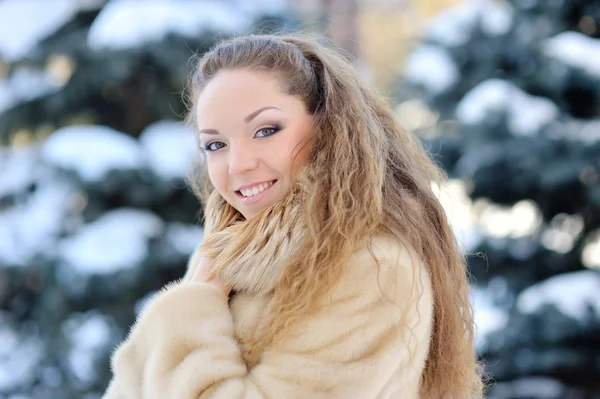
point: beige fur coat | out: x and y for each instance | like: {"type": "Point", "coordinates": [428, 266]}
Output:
{"type": "Point", "coordinates": [369, 338]}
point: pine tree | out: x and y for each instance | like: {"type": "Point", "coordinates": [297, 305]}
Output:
{"type": "Point", "coordinates": [95, 214]}
{"type": "Point", "coordinates": [510, 93]}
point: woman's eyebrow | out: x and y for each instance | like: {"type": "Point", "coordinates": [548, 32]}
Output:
{"type": "Point", "coordinates": [247, 119]}
{"type": "Point", "coordinates": [208, 131]}
{"type": "Point", "coordinates": [258, 111]}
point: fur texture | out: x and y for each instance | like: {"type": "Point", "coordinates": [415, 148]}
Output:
{"type": "Point", "coordinates": [249, 255]}
{"type": "Point", "coordinates": [367, 338]}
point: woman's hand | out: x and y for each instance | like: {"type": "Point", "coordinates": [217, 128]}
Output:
{"type": "Point", "coordinates": [202, 273]}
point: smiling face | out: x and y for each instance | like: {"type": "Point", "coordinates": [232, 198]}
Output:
{"type": "Point", "coordinates": [255, 138]}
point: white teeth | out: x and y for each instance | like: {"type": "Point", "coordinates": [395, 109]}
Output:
{"type": "Point", "coordinates": [250, 192]}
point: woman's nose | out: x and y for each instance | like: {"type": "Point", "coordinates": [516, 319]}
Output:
{"type": "Point", "coordinates": [241, 160]}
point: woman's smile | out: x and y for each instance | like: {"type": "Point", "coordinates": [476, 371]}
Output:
{"type": "Point", "coordinates": [250, 130]}
{"type": "Point", "coordinates": [253, 194]}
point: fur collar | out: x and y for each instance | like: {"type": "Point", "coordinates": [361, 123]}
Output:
{"type": "Point", "coordinates": [249, 255]}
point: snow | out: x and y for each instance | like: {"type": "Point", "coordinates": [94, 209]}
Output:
{"type": "Point", "coordinates": [527, 114]}
{"type": "Point", "coordinates": [88, 335]}
{"type": "Point", "coordinates": [19, 357]}
{"type": "Point", "coordinates": [575, 49]}
{"type": "Point", "coordinates": [183, 237]}
{"type": "Point", "coordinates": [432, 67]}
{"type": "Point", "coordinates": [488, 317]}
{"type": "Point", "coordinates": [117, 240]}
{"type": "Point", "coordinates": [125, 24]}
{"type": "Point", "coordinates": [496, 17]}
{"type": "Point", "coordinates": [18, 169]}
{"type": "Point", "coordinates": [590, 255]}
{"type": "Point", "coordinates": [453, 195]}
{"type": "Point", "coordinates": [23, 23]}
{"type": "Point", "coordinates": [24, 84]}
{"type": "Point", "coordinates": [531, 387]}
{"type": "Point", "coordinates": [520, 220]}
{"type": "Point", "coordinates": [453, 27]}
{"type": "Point", "coordinates": [31, 227]}
{"type": "Point", "coordinates": [92, 151]}
{"type": "Point", "coordinates": [572, 293]}
{"type": "Point", "coordinates": [169, 147]}
{"type": "Point", "coordinates": [586, 131]}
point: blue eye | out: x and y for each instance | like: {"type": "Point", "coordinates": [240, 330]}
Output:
{"type": "Point", "coordinates": [268, 131]}
{"type": "Point", "coordinates": [214, 146]}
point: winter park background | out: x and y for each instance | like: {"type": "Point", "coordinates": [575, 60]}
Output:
{"type": "Point", "coordinates": [95, 215]}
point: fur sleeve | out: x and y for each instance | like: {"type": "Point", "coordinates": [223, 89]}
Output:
{"type": "Point", "coordinates": [369, 338]}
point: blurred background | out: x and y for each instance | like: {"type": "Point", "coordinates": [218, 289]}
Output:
{"type": "Point", "coordinates": [95, 215]}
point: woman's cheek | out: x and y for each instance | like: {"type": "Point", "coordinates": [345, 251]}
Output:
{"type": "Point", "coordinates": [217, 176]}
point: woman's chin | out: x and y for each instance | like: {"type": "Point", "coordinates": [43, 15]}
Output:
{"type": "Point", "coordinates": [251, 213]}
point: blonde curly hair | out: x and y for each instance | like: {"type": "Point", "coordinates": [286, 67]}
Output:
{"type": "Point", "coordinates": [365, 175]}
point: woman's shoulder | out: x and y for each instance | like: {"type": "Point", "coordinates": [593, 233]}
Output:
{"type": "Point", "coordinates": [387, 251]}
{"type": "Point", "coordinates": [387, 265]}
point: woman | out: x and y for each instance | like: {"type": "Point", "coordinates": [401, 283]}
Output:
{"type": "Point", "coordinates": [328, 269]}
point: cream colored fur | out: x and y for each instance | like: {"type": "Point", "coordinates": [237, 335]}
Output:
{"type": "Point", "coordinates": [367, 338]}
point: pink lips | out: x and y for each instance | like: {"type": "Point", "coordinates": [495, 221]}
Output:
{"type": "Point", "coordinates": [255, 198]}
{"type": "Point", "coordinates": [244, 186]}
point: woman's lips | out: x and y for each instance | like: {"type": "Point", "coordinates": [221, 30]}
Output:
{"type": "Point", "coordinates": [255, 198]}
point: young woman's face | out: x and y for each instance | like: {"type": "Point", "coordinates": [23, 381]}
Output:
{"type": "Point", "coordinates": [255, 138]}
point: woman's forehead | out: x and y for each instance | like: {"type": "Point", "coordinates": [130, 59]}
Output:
{"type": "Point", "coordinates": [237, 94]}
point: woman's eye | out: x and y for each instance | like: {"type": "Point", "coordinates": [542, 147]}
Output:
{"type": "Point", "coordinates": [214, 146]}
{"type": "Point", "coordinates": [267, 131]}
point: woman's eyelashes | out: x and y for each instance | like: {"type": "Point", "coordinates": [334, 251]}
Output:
{"type": "Point", "coordinates": [260, 133]}
{"type": "Point", "coordinates": [271, 130]}
{"type": "Point", "coordinates": [210, 147]}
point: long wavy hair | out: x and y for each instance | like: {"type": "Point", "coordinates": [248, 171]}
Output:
{"type": "Point", "coordinates": [365, 175]}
